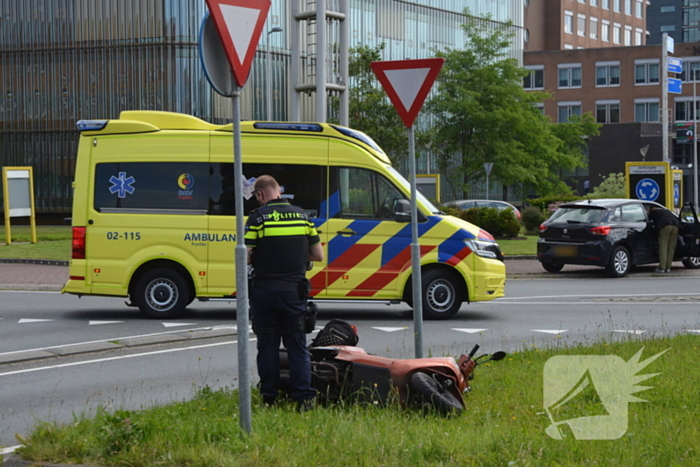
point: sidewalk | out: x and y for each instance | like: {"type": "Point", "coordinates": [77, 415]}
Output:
{"type": "Point", "coordinates": [51, 275]}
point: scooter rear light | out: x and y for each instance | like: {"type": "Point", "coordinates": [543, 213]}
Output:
{"type": "Point", "coordinates": [602, 230]}
{"type": "Point", "coordinates": [78, 243]}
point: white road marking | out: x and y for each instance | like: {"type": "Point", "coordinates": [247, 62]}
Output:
{"type": "Point", "coordinates": [694, 330]}
{"type": "Point", "coordinates": [389, 329]}
{"type": "Point", "coordinates": [598, 296]}
{"type": "Point", "coordinates": [631, 331]}
{"type": "Point", "coordinates": [30, 320]}
{"type": "Point", "coordinates": [172, 325]}
{"type": "Point", "coordinates": [525, 302]}
{"type": "Point", "coordinates": [10, 450]}
{"type": "Point", "coordinates": [122, 357]}
{"type": "Point", "coordinates": [469, 330]}
{"type": "Point", "coordinates": [549, 331]}
{"type": "Point", "coordinates": [94, 323]}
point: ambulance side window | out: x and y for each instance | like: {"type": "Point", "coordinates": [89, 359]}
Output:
{"type": "Point", "coordinates": [362, 194]}
{"type": "Point", "coordinates": [151, 187]}
{"type": "Point", "coordinates": [304, 185]}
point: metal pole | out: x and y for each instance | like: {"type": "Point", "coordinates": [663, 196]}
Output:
{"type": "Point", "coordinates": [695, 139]}
{"type": "Point", "coordinates": [415, 250]}
{"type": "Point", "coordinates": [321, 61]}
{"type": "Point", "coordinates": [487, 185]}
{"type": "Point", "coordinates": [244, 390]}
{"type": "Point", "coordinates": [268, 80]}
{"type": "Point", "coordinates": [664, 96]}
{"type": "Point", "coordinates": [295, 65]}
{"type": "Point", "coordinates": [343, 67]}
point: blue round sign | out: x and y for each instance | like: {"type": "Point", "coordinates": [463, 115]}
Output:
{"type": "Point", "coordinates": [647, 189]}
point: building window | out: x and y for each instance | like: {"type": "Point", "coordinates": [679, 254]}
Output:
{"type": "Point", "coordinates": [567, 109]}
{"type": "Point", "coordinates": [581, 23]}
{"type": "Point", "coordinates": [684, 110]}
{"type": "Point", "coordinates": [668, 9]}
{"type": "Point", "coordinates": [568, 47]}
{"type": "Point", "coordinates": [646, 73]}
{"type": "Point", "coordinates": [628, 7]}
{"type": "Point", "coordinates": [540, 107]}
{"type": "Point", "coordinates": [605, 31]}
{"type": "Point", "coordinates": [638, 37]}
{"type": "Point", "coordinates": [607, 75]}
{"type": "Point", "coordinates": [594, 28]}
{"type": "Point", "coordinates": [669, 28]}
{"type": "Point", "coordinates": [616, 6]}
{"type": "Point", "coordinates": [607, 112]}
{"type": "Point", "coordinates": [639, 9]}
{"type": "Point", "coordinates": [646, 111]}
{"type": "Point", "coordinates": [534, 79]}
{"type": "Point", "coordinates": [628, 36]}
{"type": "Point", "coordinates": [594, 2]}
{"type": "Point", "coordinates": [690, 70]}
{"type": "Point", "coordinates": [691, 35]}
{"type": "Point", "coordinates": [616, 33]}
{"type": "Point", "coordinates": [605, 4]}
{"type": "Point", "coordinates": [568, 22]}
{"type": "Point", "coordinates": [570, 76]}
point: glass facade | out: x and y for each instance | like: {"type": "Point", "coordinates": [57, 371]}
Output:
{"type": "Point", "coordinates": [66, 60]}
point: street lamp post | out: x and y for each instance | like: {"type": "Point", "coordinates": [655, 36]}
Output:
{"type": "Point", "coordinates": [268, 72]}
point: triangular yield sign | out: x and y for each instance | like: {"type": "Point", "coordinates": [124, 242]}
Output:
{"type": "Point", "coordinates": [239, 24]}
{"type": "Point", "coordinates": [550, 331]}
{"type": "Point", "coordinates": [173, 325]}
{"type": "Point", "coordinates": [407, 83]}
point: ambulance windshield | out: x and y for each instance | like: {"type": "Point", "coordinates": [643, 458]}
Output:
{"type": "Point", "coordinates": [421, 199]}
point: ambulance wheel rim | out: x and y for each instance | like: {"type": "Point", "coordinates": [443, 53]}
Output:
{"type": "Point", "coordinates": [162, 294]}
{"type": "Point", "coordinates": [440, 295]}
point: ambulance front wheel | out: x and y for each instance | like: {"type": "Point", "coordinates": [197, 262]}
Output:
{"type": "Point", "coordinates": [162, 293]}
{"type": "Point", "coordinates": [442, 295]}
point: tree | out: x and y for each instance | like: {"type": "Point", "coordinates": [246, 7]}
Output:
{"type": "Point", "coordinates": [612, 186]}
{"type": "Point", "coordinates": [483, 114]}
{"type": "Point", "coordinates": [370, 110]}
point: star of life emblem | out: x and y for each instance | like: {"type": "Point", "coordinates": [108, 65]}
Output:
{"type": "Point", "coordinates": [122, 185]}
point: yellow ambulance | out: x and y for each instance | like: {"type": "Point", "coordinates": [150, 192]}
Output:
{"type": "Point", "coordinates": [154, 216]}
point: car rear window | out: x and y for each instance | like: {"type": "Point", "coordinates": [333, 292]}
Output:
{"type": "Point", "coordinates": [578, 215]}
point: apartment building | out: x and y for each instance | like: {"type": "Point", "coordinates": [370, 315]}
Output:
{"type": "Point", "coordinates": [577, 24]}
{"type": "Point", "coordinates": [621, 86]}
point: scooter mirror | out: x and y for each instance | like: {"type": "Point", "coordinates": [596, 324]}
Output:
{"type": "Point", "coordinates": [500, 355]}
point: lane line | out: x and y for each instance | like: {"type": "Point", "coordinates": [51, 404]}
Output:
{"type": "Point", "coordinates": [122, 357]}
{"type": "Point", "coordinates": [688, 294]}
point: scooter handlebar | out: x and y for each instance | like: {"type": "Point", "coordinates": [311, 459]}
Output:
{"type": "Point", "coordinates": [473, 351]}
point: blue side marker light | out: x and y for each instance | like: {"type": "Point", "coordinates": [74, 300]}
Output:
{"type": "Point", "coordinates": [91, 125]}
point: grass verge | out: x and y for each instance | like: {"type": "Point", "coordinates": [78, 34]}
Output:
{"type": "Point", "coordinates": [504, 425]}
{"type": "Point", "coordinates": [527, 246]}
{"type": "Point", "coordinates": [53, 242]}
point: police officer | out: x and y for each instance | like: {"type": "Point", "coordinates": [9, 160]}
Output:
{"type": "Point", "coordinates": [280, 240]}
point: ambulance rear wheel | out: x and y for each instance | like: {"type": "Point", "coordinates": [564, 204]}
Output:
{"type": "Point", "coordinates": [442, 297]}
{"type": "Point", "coordinates": [162, 293]}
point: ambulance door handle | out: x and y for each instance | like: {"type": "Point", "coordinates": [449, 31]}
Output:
{"type": "Point", "coordinates": [346, 232]}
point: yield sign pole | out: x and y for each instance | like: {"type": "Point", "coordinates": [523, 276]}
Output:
{"type": "Point", "coordinates": [239, 24]}
{"type": "Point", "coordinates": [407, 83]}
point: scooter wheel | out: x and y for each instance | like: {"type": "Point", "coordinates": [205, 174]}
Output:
{"type": "Point", "coordinates": [435, 394]}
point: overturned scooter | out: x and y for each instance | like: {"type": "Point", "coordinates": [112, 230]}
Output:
{"type": "Point", "coordinates": [347, 372]}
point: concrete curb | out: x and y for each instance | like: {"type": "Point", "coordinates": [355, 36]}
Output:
{"type": "Point", "coordinates": [12, 461]}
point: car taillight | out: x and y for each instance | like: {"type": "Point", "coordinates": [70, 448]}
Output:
{"type": "Point", "coordinates": [603, 230]}
{"type": "Point", "coordinates": [542, 228]}
{"type": "Point", "coordinates": [78, 243]}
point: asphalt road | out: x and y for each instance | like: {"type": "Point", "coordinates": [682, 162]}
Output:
{"type": "Point", "coordinates": [145, 362]}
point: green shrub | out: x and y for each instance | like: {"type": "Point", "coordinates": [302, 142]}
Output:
{"type": "Point", "coordinates": [499, 223]}
{"type": "Point", "coordinates": [549, 204]}
{"type": "Point", "coordinates": [531, 218]}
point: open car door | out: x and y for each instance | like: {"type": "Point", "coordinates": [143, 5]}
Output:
{"type": "Point", "coordinates": [689, 248]}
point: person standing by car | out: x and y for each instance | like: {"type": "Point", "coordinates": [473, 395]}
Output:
{"type": "Point", "coordinates": [280, 240]}
{"type": "Point", "coordinates": [666, 225]}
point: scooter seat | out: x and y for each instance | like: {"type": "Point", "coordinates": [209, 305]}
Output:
{"type": "Point", "coordinates": [323, 353]}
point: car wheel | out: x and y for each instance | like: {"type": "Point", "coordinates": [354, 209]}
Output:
{"type": "Point", "coordinates": [620, 262]}
{"type": "Point", "coordinates": [441, 295]}
{"type": "Point", "coordinates": [692, 262]}
{"type": "Point", "coordinates": [162, 293]}
{"type": "Point", "coordinates": [552, 267]}
{"type": "Point", "coordinates": [435, 394]}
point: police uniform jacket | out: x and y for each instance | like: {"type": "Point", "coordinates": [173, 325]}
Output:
{"type": "Point", "coordinates": [280, 235]}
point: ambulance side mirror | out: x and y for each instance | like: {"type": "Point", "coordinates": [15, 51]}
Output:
{"type": "Point", "coordinates": [402, 212]}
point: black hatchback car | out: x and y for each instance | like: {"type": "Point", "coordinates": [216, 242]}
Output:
{"type": "Point", "coordinates": [612, 233]}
